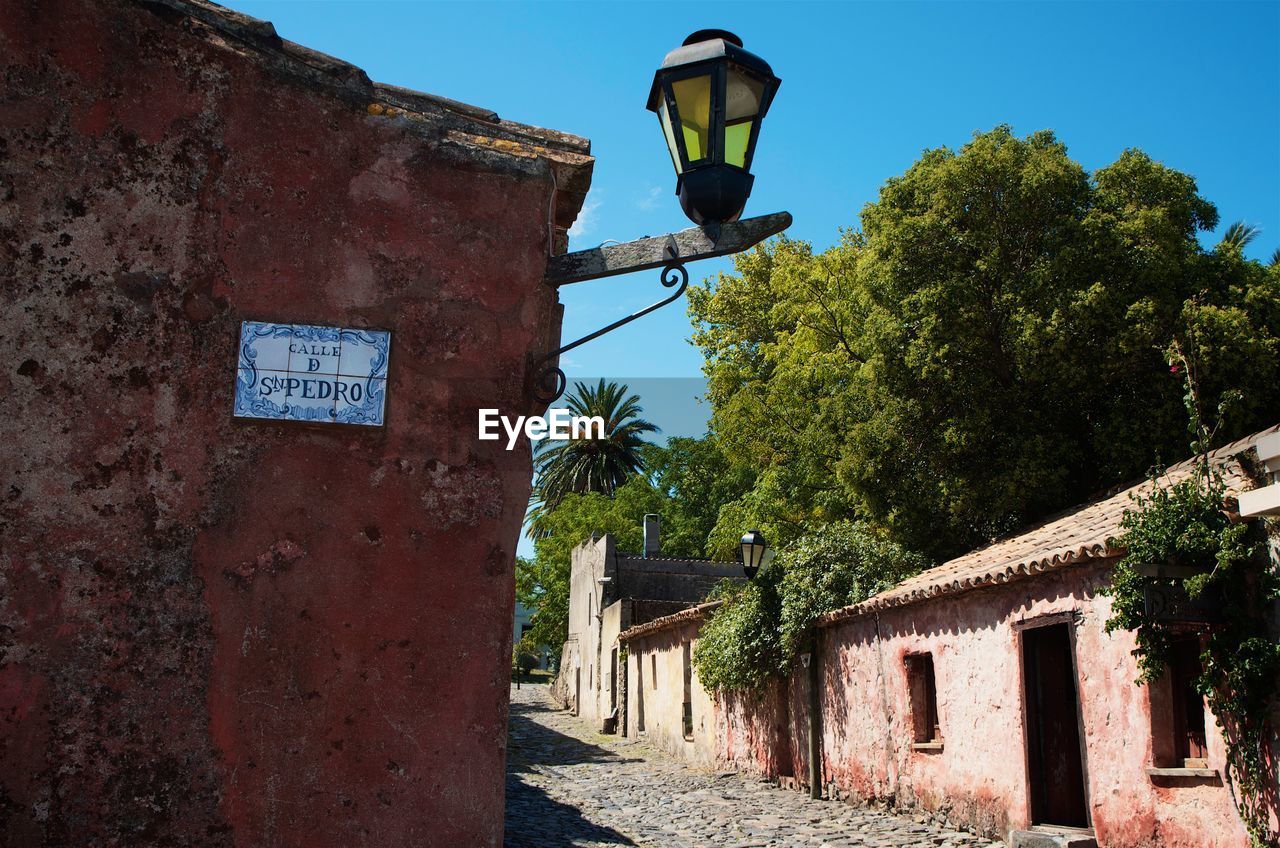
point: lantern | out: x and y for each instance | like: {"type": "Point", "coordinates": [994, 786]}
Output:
{"type": "Point", "coordinates": [710, 96]}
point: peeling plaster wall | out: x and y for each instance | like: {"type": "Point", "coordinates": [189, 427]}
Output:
{"type": "Point", "coordinates": [220, 632]}
{"type": "Point", "coordinates": [663, 696]}
{"type": "Point", "coordinates": [979, 778]}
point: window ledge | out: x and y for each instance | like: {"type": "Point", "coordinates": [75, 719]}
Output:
{"type": "Point", "coordinates": [927, 746]}
{"type": "Point", "coordinates": [1197, 773]}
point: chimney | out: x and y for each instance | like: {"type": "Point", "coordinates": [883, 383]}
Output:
{"type": "Point", "coordinates": [651, 544]}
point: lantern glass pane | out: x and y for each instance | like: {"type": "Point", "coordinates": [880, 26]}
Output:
{"type": "Point", "coordinates": [736, 138]}
{"type": "Point", "coordinates": [693, 106]}
{"type": "Point", "coordinates": [742, 95]}
{"type": "Point", "coordinates": [665, 119]}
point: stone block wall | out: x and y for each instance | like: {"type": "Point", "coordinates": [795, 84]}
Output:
{"type": "Point", "coordinates": [227, 632]}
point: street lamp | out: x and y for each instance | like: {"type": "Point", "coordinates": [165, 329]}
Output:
{"type": "Point", "coordinates": [710, 96]}
{"type": "Point", "coordinates": [752, 552]}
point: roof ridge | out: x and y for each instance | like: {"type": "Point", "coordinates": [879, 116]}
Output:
{"type": "Point", "coordinates": [1071, 545]}
{"type": "Point", "coordinates": [666, 622]}
{"type": "Point", "coordinates": [262, 35]}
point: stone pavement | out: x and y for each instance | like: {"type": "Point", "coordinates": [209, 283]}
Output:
{"type": "Point", "coordinates": [570, 786]}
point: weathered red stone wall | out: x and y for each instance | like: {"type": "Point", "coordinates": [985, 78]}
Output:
{"type": "Point", "coordinates": [220, 632]}
{"type": "Point", "coordinates": [979, 777]}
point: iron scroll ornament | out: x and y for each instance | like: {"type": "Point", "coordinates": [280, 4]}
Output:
{"type": "Point", "coordinates": [551, 380]}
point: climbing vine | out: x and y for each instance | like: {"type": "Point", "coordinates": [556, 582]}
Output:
{"type": "Point", "coordinates": [1184, 528]}
{"type": "Point", "coordinates": [761, 627]}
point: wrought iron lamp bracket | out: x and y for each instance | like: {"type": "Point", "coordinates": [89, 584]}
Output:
{"type": "Point", "coordinates": [551, 380]}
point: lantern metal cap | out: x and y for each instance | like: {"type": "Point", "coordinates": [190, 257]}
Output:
{"type": "Point", "coordinates": [706, 45]}
{"type": "Point", "coordinates": [708, 34]}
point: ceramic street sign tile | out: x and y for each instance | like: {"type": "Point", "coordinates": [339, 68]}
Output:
{"type": "Point", "coordinates": [298, 372]}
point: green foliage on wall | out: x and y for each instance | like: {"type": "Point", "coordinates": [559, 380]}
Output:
{"type": "Point", "coordinates": [1225, 565]}
{"type": "Point", "coordinates": [762, 626]}
{"type": "Point", "coordinates": [1184, 525]}
{"type": "Point", "coordinates": [739, 645]}
{"type": "Point", "coordinates": [840, 564]}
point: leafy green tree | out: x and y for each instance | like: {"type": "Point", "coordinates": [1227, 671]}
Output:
{"type": "Point", "coordinates": [991, 347]}
{"type": "Point", "coordinates": [762, 626]}
{"type": "Point", "coordinates": [697, 480]}
{"type": "Point", "coordinates": [588, 463]}
{"type": "Point", "coordinates": [542, 583]}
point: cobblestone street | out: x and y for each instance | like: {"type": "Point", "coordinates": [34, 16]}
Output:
{"type": "Point", "coordinates": [570, 786]}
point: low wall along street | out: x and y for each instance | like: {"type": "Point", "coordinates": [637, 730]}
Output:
{"type": "Point", "coordinates": [255, 567]}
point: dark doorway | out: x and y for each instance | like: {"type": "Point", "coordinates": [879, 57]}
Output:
{"type": "Point", "coordinates": [1054, 758]}
{"type": "Point", "coordinates": [577, 691]}
{"type": "Point", "coordinates": [639, 695]}
{"type": "Point", "coordinates": [613, 680]}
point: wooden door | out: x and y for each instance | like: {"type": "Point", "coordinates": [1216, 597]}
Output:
{"type": "Point", "coordinates": [1054, 756]}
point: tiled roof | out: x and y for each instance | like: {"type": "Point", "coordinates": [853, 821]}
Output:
{"type": "Point", "coordinates": [1065, 540]}
{"type": "Point", "coordinates": [668, 621]}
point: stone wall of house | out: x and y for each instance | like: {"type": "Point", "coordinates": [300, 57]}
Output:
{"type": "Point", "coordinates": [227, 632]}
{"type": "Point", "coordinates": [663, 579]}
{"type": "Point", "coordinates": [978, 777]}
{"type": "Point", "coordinates": [655, 692]}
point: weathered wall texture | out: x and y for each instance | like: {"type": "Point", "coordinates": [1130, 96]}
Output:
{"type": "Point", "coordinates": [979, 777]}
{"type": "Point", "coordinates": [218, 632]}
{"type": "Point", "coordinates": [656, 678]}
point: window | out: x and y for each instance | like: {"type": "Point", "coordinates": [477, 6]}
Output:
{"type": "Point", "coordinates": [688, 691]}
{"type": "Point", "coordinates": [1188, 705]}
{"type": "Point", "coordinates": [1177, 711]}
{"type": "Point", "coordinates": [925, 727]}
{"type": "Point", "coordinates": [653, 668]}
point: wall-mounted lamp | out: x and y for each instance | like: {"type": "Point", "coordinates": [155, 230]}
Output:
{"type": "Point", "coordinates": [710, 96]}
{"type": "Point", "coordinates": [751, 552]}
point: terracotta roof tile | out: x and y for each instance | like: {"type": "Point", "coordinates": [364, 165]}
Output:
{"type": "Point", "coordinates": [1070, 538]}
{"type": "Point", "coordinates": [668, 621]}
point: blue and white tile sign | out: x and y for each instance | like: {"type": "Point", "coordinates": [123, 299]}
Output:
{"type": "Point", "coordinates": [296, 372]}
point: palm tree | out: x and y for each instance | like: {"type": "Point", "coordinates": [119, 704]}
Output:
{"type": "Point", "coordinates": [590, 464]}
{"type": "Point", "coordinates": [1275, 257]}
{"type": "Point", "coordinates": [1237, 237]}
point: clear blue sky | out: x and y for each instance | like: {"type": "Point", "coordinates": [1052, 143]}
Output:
{"type": "Point", "coordinates": [866, 87]}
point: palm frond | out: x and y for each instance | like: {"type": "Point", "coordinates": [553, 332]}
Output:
{"type": "Point", "coordinates": [1238, 236]}
{"type": "Point", "coordinates": [588, 464]}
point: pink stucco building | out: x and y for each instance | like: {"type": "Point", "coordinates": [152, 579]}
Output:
{"type": "Point", "coordinates": [986, 689]}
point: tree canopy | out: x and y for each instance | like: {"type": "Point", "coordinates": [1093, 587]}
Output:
{"type": "Point", "coordinates": [762, 626]}
{"type": "Point", "coordinates": [993, 345]}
